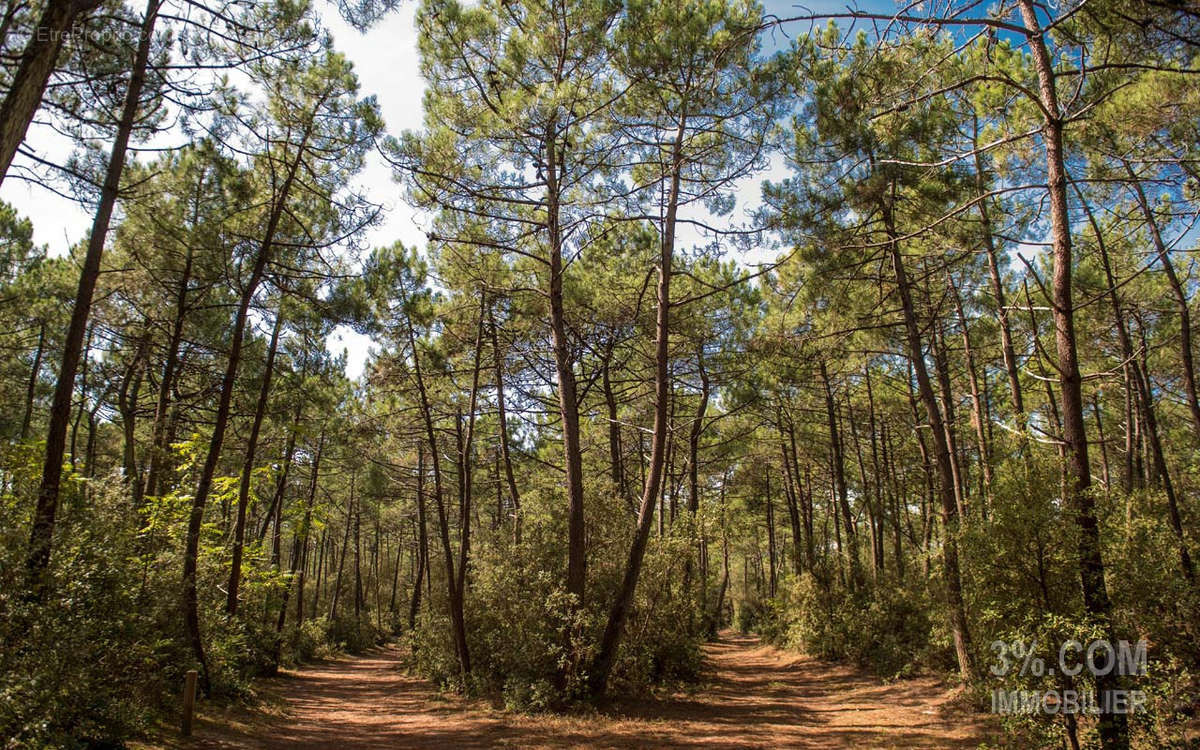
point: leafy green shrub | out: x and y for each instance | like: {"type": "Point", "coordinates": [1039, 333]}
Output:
{"type": "Point", "coordinates": [306, 642]}
{"type": "Point", "coordinates": [82, 665]}
{"type": "Point", "coordinates": [662, 635]}
{"type": "Point", "coordinates": [353, 635]}
{"type": "Point", "coordinates": [884, 628]}
{"type": "Point", "coordinates": [432, 650]}
{"type": "Point", "coordinates": [749, 615]}
{"type": "Point", "coordinates": [532, 644]}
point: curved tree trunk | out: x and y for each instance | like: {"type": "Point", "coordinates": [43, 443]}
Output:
{"type": "Point", "coordinates": [159, 441]}
{"type": "Point", "coordinates": [33, 72]}
{"type": "Point", "coordinates": [40, 539]}
{"type": "Point", "coordinates": [613, 629]}
{"type": "Point", "coordinates": [456, 621]}
{"type": "Point", "coordinates": [1140, 379]}
{"type": "Point", "coordinates": [191, 553]}
{"type": "Point", "coordinates": [941, 451]}
{"type": "Point", "coordinates": [31, 388]}
{"type": "Point", "coordinates": [1186, 357]}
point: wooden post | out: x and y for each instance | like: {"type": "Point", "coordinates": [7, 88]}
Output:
{"type": "Point", "coordinates": [189, 702]}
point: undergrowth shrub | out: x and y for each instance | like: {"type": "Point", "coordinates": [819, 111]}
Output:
{"type": "Point", "coordinates": [101, 656]}
{"type": "Point", "coordinates": [353, 635]}
{"type": "Point", "coordinates": [81, 666]}
{"type": "Point", "coordinates": [663, 633]}
{"type": "Point", "coordinates": [532, 645]}
{"type": "Point", "coordinates": [884, 628]}
{"type": "Point", "coordinates": [306, 642]}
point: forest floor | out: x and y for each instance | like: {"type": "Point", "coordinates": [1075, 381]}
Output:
{"type": "Point", "coordinates": [755, 696]}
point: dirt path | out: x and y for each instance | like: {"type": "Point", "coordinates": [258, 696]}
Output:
{"type": "Point", "coordinates": [758, 697]}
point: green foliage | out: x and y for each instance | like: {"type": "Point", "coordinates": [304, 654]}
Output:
{"type": "Point", "coordinates": [531, 648]}
{"type": "Point", "coordinates": [70, 671]}
{"type": "Point", "coordinates": [101, 657]}
{"type": "Point", "coordinates": [345, 634]}
{"type": "Point", "coordinates": [662, 644]}
{"type": "Point", "coordinates": [309, 641]}
{"type": "Point", "coordinates": [884, 626]}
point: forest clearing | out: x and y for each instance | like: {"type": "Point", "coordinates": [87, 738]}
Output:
{"type": "Point", "coordinates": [599, 373]}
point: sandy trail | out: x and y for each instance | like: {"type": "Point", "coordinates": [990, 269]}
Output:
{"type": "Point", "coordinates": [757, 697]}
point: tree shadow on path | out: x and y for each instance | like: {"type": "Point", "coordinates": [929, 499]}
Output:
{"type": "Point", "coordinates": [757, 697]}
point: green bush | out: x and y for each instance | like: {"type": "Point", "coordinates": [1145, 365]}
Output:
{"type": "Point", "coordinates": [884, 628]}
{"type": "Point", "coordinates": [352, 635]}
{"type": "Point", "coordinates": [532, 645]}
{"type": "Point", "coordinates": [306, 642]}
{"type": "Point", "coordinates": [82, 666]}
{"type": "Point", "coordinates": [102, 655]}
{"type": "Point", "coordinates": [663, 633]}
{"type": "Point", "coordinates": [750, 615]}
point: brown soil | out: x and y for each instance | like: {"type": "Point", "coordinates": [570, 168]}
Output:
{"type": "Point", "coordinates": [757, 697]}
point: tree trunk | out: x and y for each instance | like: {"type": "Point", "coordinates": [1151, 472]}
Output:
{"type": "Point", "coordinates": [950, 567]}
{"type": "Point", "coordinates": [127, 399]}
{"type": "Point", "coordinates": [1144, 392]}
{"type": "Point", "coordinates": [260, 410]}
{"type": "Point", "coordinates": [791, 489]}
{"type": "Point", "coordinates": [396, 581]}
{"type": "Point", "coordinates": [1103, 441]}
{"type": "Point", "coordinates": [898, 492]}
{"type": "Point", "coordinates": [1187, 361]}
{"type": "Point", "coordinates": [870, 497]}
{"type": "Point", "coordinates": [159, 445]}
{"type": "Point", "coordinates": [414, 605]}
{"type": "Point", "coordinates": [942, 371]}
{"type": "Point", "coordinates": [837, 468]}
{"type": "Point", "coordinates": [208, 472]}
{"type": "Point", "coordinates": [283, 606]}
{"type": "Point", "coordinates": [31, 388]}
{"type": "Point", "coordinates": [456, 623]}
{"type": "Point", "coordinates": [85, 360]}
{"type": "Point", "coordinates": [880, 482]}
{"type": "Point", "coordinates": [25, 95]}
{"type": "Point", "coordinates": [772, 578]}
{"type": "Point", "coordinates": [564, 365]}
{"type": "Point", "coordinates": [37, 64]}
{"type": "Point", "coordinates": [502, 417]}
{"type": "Point", "coordinates": [693, 467]}
{"type": "Point", "coordinates": [300, 541]}
{"type": "Point", "coordinates": [289, 454]}
{"type": "Point", "coordinates": [615, 461]}
{"type": "Point", "coordinates": [1114, 734]}
{"type": "Point", "coordinates": [805, 497]}
{"type": "Point", "coordinates": [977, 417]}
{"type": "Point", "coordinates": [358, 585]}
{"type": "Point", "coordinates": [989, 244]}
{"type": "Point", "coordinates": [458, 593]}
{"type": "Point", "coordinates": [694, 435]}
{"type": "Point", "coordinates": [613, 629]}
{"type": "Point", "coordinates": [336, 596]}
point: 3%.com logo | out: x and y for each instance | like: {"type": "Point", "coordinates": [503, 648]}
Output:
{"type": "Point", "coordinates": [1099, 658]}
